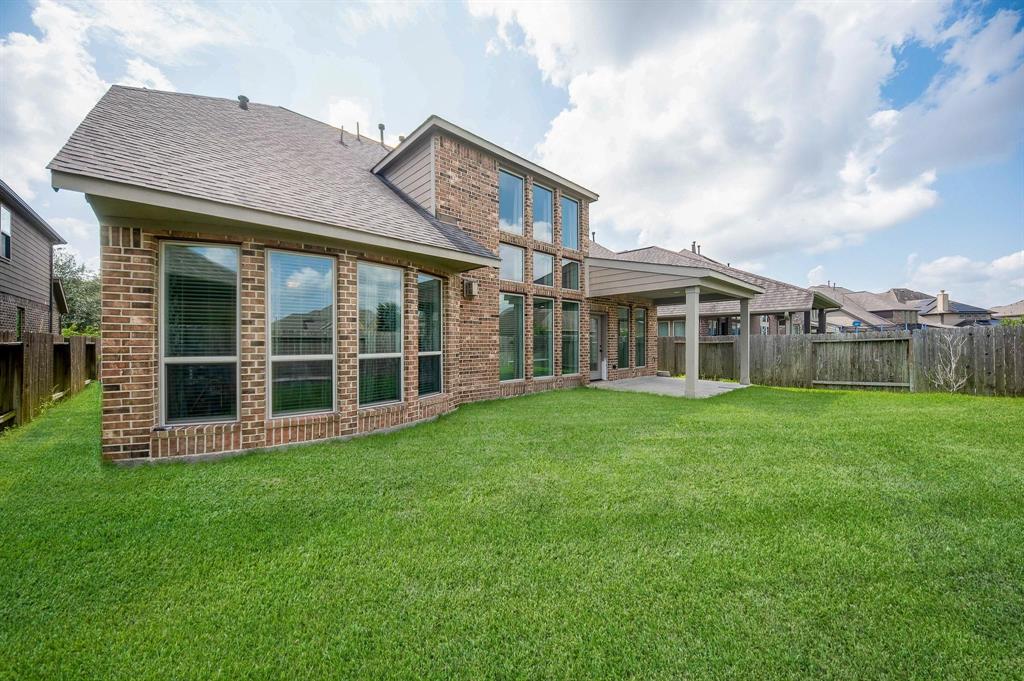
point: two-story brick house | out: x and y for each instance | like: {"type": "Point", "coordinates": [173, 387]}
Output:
{"type": "Point", "coordinates": [270, 279]}
{"type": "Point", "coordinates": [30, 298]}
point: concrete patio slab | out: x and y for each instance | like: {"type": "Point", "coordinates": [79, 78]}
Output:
{"type": "Point", "coordinates": [662, 385]}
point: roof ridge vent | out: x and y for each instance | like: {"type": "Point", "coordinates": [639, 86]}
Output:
{"type": "Point", "coordinates": [243, 102]}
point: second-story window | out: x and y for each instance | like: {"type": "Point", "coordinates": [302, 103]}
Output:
{"type": "Point", "coordinates": [511, 262]}
{"type": "Point", "coordinates": [543, 269]}
{"type": "Point", "coordinates": [510, 202]}
{"type": "Point", "coordinates": [5, 232]}
{"type": "Point", "coordinates": [570, 274]}
{"type": "Point", "coordinates": [570, 223]}
{"type": "Point", "coordinates": [542, 211]}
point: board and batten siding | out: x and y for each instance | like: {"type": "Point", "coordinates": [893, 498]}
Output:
{"type": "Point", "coordinates": [414, 175]}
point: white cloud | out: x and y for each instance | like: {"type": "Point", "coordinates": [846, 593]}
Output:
{"type": "Point", "coordinates": [309, 277]}
{"type": "Point", "coordinates": [759, 128]}
{"type": "Point", "coordinates": [362, 17]}
{"type": "Point", "coordinates": [816, 276]}
{"type": "Point", "coordinates": [74, 228]}
{"type": "Point", "coordinates": [975, 282]}
{"type": "Point", "coordinates": [140, 73]}
{"type": "Point", "coordinates": [346, 112]}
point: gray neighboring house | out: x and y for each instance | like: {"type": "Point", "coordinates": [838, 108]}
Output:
{"type": "Point", "coordinates": [940, 310]}
{"type": "Point", "coordinates": [1011, 311]}
{"type": "Point", "coordinates": [30, 298]}
{"type": "Point", "coordinates": [866, 311]}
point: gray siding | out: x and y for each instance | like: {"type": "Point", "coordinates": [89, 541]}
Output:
{"type": "Point", "coordinates": [414, 175]}
{"type": "Point", "coordinates": [27, 274]}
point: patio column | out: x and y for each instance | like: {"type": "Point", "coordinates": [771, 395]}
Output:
{"type": "Point", "coordinates": [692, 339]}
{"type": "Point", "coordinates": [744, 341]}
{"type": "Point", "coordinates": [821, 320]}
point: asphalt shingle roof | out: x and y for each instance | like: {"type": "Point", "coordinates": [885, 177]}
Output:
{"type": "Point", "coordinates": [265, 158]}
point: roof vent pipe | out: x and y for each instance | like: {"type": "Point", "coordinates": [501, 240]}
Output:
{"type": "Point", "coordinates": [359, 138]}
{"type": "Point", "coordinates": [243, 102]}
{"type": "Point", "coordinates": [380, 126]}
{"type": "Point", "coordinates": [693, 246]}
{"type": "Point", "coordinates": [341, 136]}
{"type": "Point", "coordinates": [401, 138]}
{"type": "Point", "coordinates": [698, 249]}
{"type": "Point", "coordinates": [593, 236]}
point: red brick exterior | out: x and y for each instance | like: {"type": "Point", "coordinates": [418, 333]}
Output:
{"type": "Point", "coordinates": [466, 189]}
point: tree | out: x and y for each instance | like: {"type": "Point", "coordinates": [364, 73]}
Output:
{"type": "Point", "coordinates": [82, 290]}
{"type": "Point", "coordinates": [948, 371]}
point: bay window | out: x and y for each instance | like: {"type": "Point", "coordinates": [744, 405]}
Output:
{"type": "Point", "coordinates": [640, 334]}
{"type": "Point", "coordinates": [199, 333]}
{"type": "Point", "coordinates": [543, 337]}
{"type": "Point", "coordinates": [380, 333]}
{"type": "Point", "coordinates": [431, 335]}
{"type": "Point", "coordinates": [510, 337]}
{"type": "Point", "coordinates": [570, 338]}
{"type": "Point", "coordinates": [570, 223]}
{"type": "Point", "coordinates": [510, 202]}
{"type": "Point", "coordinates": [300, 312]}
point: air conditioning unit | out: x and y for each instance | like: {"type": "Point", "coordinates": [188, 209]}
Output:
{"type": "Point", "coordinates": [471, 288]}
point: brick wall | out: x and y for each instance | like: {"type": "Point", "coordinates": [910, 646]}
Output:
{"type": "Point", "coordinates": [37, 315]}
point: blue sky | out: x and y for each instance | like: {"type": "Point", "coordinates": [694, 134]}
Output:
{"type": "Point", "coordinates": [873, 145]}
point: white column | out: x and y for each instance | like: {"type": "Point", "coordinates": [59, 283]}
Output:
{"type": "Point", "coordinates": [692, 340]}
{"type": "Point", "coordinates": [744, 341]}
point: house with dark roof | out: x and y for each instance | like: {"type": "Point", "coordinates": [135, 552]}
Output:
{"type": "Point", "coordinates": [866, 311]}
{"type": "Point", "coordinates": [271, 279]}
{"type": "Point", "coordinates": [781, 308]}
{"type": "Point", "coordinates": [31, 299]}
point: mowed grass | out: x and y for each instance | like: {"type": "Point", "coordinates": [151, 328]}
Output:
{"type": "Point", "coordinates": [761, 534]}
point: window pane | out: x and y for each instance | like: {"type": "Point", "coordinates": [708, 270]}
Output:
{"type": "Point", "coordinates": [300, 387]}
{"type": "Point", "coordinates": [679, 328]}
{"type": "Point", "coordinates": [201, 392]}
{"type": "Point", "coordinates": [430, 374]}
{"type": "Point", "coordinates": [380, 380]}
{"type": "Point", "coordinates": [511, 262]}
{"type": "Point", "coordinates": [5, 220]}
{"type": "Point", "coordinates": [570, 223]}
{"type": "Point", "coordinates": [570, 274]}
{"type": "Point", "coordinates": [623, 361]}
{"type": "Point", "coordinates": [640, 319]}
{"type": "Point", "coordinates": [380, 309]}
{"type": "Point", "coordinates": [510, 202]}
{"type": "Point", "coordinates": [510, 337]}
{"type": "Point", "coordinates": [430, 313]}
{"type": "Point", "coordinates": [662, 329]}
{"type": "Point", "coordinates": [200, 296]}
{"type": "Point", "coordinates": [301, 311]}
{"type": "Point", "coordinates": [543, 269]}
{"type": "Point", "coordinates": [543, 337]}
{"type": "Point", "coordinates": [570, 338]}
{"type": "Point", "coordinates": [542, 207]}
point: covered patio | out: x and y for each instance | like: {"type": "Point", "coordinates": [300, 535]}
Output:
{"type": "Point", "coordinates": [665, 284]}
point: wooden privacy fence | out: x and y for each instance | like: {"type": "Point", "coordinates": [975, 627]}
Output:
{"type": "Point", "coordinates": [40, 368]}
{"type": "Point", "coordinates": [975, 360]}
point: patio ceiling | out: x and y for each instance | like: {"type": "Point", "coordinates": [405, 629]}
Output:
{"type": "Point", "coordinates": [663, 284]}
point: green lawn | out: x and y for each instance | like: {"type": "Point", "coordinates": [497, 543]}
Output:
{"type": "Point", "coordinates": [764, 533]}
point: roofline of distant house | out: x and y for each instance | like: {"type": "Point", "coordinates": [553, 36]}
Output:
{"type": "Point", "coordinates": [435, 122]}
{"type": "Point", "coordinates": [10, 196]}
{"type": "Point", "coordinates": [163, 199]}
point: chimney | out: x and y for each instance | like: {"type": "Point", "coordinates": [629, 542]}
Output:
{"type": "Point", "coordinates": [942, 302]}
{"type": "Point", "coordinates": [380, 126]}
{"type": "Point", "coordinates": [243, 102]}
{"type": "Point", "coordinates": [693, 247]}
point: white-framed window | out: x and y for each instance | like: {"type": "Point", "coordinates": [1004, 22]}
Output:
{"type": "Point", "coordinates": [662, 329]}
{"type": "Point", "coordinates": [570, 338]}
{"type": "Point", "coordinates": [5, 232]}
{"type": "Point", "coordinates": [570, 223]}
{"type": "Point", "coordinates": [199, 332]}
{"type": "Point", "coordinates": [510, 202]}
{"type": "Point", "coordinates": [543, 337]}
{"type": "Point", "coordinates": [543, 207]}
{"type": "Point", "coordinates": [640, 334]}
{"type": "Point", "coordinates": [543, 269]}
{"type": "Point", "coordinates": [379, 292]}
{"type": "Point", "coordinates": [765, 325]}
{"type": "Point", "coordinates": [679, 327]}
{"type": "Point", "coordinates": [431, 336]}
{"type": "Point", "coordinates": [511, 321]}
{"type": "Point", "coordinates": [570, 274]}
{"type": "Point", "coordinates": [300, 333]}
{"type": "Point", "coordinates": [511, 262]}
{"type": "Point", "coordinates": [713, 327]}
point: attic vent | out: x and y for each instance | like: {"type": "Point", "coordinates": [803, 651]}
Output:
{"type": "Point", "coordinates": [243, 102]}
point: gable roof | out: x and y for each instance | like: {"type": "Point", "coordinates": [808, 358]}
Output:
{"type": "Point", "coordinates": [267, 160]}
{"type": "Point", "coordinates": [778, 296]}
{"type": "Point", "coordinates": [1011, 310]}
{"type": "Point", "coordinates": [851, 309]}
{"type": "Point", "coordinates": [879, 302]}
{"type": "Point", "coordinates": [9, 198]}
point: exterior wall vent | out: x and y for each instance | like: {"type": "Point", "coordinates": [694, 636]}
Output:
{"type": "Point", "coordinates": [471, 288]}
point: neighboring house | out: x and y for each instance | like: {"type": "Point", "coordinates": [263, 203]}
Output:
{"type": "Point", "coordinates": [30, 298]}
{"type": "Point", "coordinates": [940, 311]}
{"type": "Point", "coordinates": [866, 311]}
{"type": "Point", "coordinates": [270, 279]}
{"type": "Point", "coordinates": [1011, 311]}
{"type": "Point", "coordinates": [782, 308]}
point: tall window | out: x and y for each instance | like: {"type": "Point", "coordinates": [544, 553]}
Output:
{"type": "Point", "coordinates": [542, 208]}
{"type": "Point", "coordinates": [570, 337]}
{"type": "Point", "coordinates": [200, 333]}
{"type": "Point", "coordinates": [543, 269]}
{"type": "Point", "coordinates": [431, 316]}
{"type": "Point", "coordinates": [510, 337]}
{"type": "Point", "coordinates": [5, 232]}
{"type": "Point", "coordinates": [543, 337]}
{"type": "Point", "coordinates": [510, 202]}
{"type": "Point", "coordinates": [570, 274]}
{"type": "Point", "coordinates": [570, 223]}
{"type": "Point", "coordinates": [640, 334]}
{"type": "Point", "coordinates": [380, 334]}
{"type": "Point", "coordinates": [623, 337]}
{"type": "Point", "coordinates": [679, 327]}
{"type": "Point", "coordinates": [300, 300]}
{"type": "Point", "coordinates": [511, 262]}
